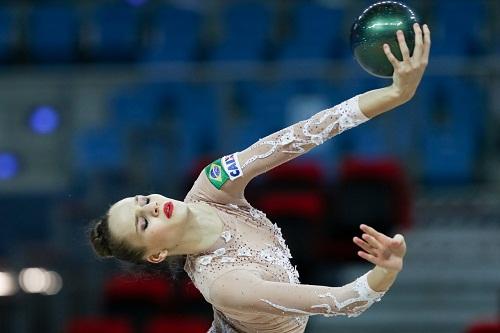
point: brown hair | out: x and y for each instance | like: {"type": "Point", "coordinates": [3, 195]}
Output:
{"type": "Point", "coordinates": [106, 246]}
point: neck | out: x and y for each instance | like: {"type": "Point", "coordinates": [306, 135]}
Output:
{"type": "Point", "coordinates": [202, 229]}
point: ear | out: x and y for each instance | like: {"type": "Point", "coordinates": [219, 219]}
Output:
{"type": "Point", "coordinates": [158, 257]}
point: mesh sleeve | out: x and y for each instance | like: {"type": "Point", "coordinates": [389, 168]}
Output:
{"type": "Point", "coordinates": [244, 291]}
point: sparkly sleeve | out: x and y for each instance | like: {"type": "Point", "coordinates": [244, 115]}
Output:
{"type": "Point", "coordinates": [245, 291]}
{"type": "Point", "coordinates": [299, 138]}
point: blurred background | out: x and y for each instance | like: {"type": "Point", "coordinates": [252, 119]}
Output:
{"type": "Point", "coordinates": [101, 100]}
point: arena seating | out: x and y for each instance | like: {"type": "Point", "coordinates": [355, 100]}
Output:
{"type": "Point", "coordinates": [246, 30]}
{"type": "Point", "coordinates": [99, 325]}
{"type": "Point", "coordinates": [175, 35]}
{"type": "Point", "coordinates": [53, 33]}
{"type": "Point", "coordinates": [138, 298]}
{"type": "Point", "coordinates": [9, 35]}
{"type": "Point", "coordinates": [305, 42]}
{"type": "Point", "coordinates": [293, 197]}
{"type": "Point", "coordinates": [179, 324]}
{"type": "Point", "coordinates": [451, 36]}
{"type": "Point", "coordinates": [114, 33]}
{"type": "Point", "coordinates": [99, 149]}
{"type": "Point", "coordinates": [451, 130]}
{"type": "Point", "coordinates": [373, 192]}
{"type": "Point", "coordinates": [484, 327]}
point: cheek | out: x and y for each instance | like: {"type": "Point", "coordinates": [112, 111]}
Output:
{"type": "Point", "coordinates": [157, 234]}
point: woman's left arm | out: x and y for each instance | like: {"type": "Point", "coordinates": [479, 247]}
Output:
{"type": "Point", "coordinates": [245, 290]}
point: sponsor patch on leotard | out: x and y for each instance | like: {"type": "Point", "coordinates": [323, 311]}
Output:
{"type": "Point", "coordinates": [232, 166]}
{"type": "Point", "coordinates": [216, 174]}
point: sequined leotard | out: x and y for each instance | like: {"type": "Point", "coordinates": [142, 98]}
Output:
{"type": "Point", "coordinates": [247, 275]}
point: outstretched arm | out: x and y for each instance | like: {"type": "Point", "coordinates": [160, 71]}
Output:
{"type": "Point", "coordinates": [297, 139]}
{"type": "Point", "coordinates": [246, 291]}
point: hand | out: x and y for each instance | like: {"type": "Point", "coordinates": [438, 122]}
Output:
{"type": "Point", "coordinates": [380, 249]}
{"type": "Point", "coordinates": [409, 72]}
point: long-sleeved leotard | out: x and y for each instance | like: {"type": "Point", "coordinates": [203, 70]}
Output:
{"type": "Point", "coordinates": [247, 275]}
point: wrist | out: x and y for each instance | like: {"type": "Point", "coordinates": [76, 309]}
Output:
{"type": "Point", "coordinates": [400, 95]}
{"type": "Point", "coordinates": [386, 271]}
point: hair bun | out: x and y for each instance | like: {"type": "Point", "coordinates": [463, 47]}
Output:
{"type": "Point", "coordinates": [99, 239]}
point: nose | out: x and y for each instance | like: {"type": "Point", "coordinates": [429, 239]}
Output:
{"type": "Point", "coordinates": [152, 208]}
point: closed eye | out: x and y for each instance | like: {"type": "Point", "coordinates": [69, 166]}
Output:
{"type": "Point", "coordinates": [144, 224]}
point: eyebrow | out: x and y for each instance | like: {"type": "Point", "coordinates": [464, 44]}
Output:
{"type": "Point", "coordinates": [135, 215]}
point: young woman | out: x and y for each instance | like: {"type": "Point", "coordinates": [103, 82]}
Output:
{"type": "Point", "coordinates": [236, 257]}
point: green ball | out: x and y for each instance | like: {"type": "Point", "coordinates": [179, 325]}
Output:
{"type": "Point", "coordinates": [376, 26]}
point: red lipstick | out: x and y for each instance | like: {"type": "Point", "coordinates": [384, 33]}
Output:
{"type": "Point", "coordinates": [168, 208]}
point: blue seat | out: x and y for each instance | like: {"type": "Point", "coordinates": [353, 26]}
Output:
{"type": "Point", "coordinates": [199, 127]}
{"type": "Point", "coordinates": [451, 131]}
{"type": "Point", "coordinates": [246, 30]}
{"type": "Point", "coordinates": [458, 27]}
{"type": "Point", "coordinates": [175, 35]}
{"type": "Point", "coordinates": [315, 30]}
{"type": "Point", "coordinates": [115, 33]}
{"type": "Point", "coordinates": [8, 33]}
{"type": "Point", "coordinates": [100, 149]}
{"type": "Point", "coordinates": [53, 33]}
{"type": "Point", "coordinates": [32, 225]}
{"type": "Point", "coordinates": [136, 107]}
{"type": "Point", "coordinates": [264, 106]}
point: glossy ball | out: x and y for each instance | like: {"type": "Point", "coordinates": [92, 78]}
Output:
{"type": "Point", "coordinates": [376, 26]}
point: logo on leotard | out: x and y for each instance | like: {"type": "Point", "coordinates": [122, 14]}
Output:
{"type": "Point", "coordinates": [232, 166]}
{"type": "Point", "coordinates": [216, 174]}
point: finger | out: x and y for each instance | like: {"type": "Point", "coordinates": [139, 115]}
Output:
{"type": "Point", "coordinates": [397, 241]}
{"type": "Point", "coordinates": [392, 59]}
{"type": "Point", "coordinates": [402, 45]}
{"type": "Point", "coordinates": [427, 44]}
{"type": "Point", "coordinates": [371, 241]}
{"type": "Point", "coordinates": [377, 235]}
{"type": "Point", "coordinates": [368, 257]}
{"type": "Point", "coordinates": [417, 51]}
{"type": "Point", "coordinates": [362, 244]}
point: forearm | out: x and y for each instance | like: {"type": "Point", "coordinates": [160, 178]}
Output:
{"type": "Point", "coordinates": [299, 138]}
{"type": "Point", "coordinates": [375, 102]}
{"type": "Point", "coordinates": [381, 279]}
{"type": "Point", "coordinates": [286, 299]}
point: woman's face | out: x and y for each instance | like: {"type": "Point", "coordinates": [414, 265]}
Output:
{"type": "Point", "coordinates": [153, 222]}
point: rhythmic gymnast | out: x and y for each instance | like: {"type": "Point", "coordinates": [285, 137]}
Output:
{"type": "Point", "coordinates": [235, 256]}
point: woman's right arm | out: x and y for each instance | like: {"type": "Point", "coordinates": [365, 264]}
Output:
{"type": "Point", "coordinates": [233, 172]}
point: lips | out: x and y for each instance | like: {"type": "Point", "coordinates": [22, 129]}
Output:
{"type": "Point", "coordinates": [168, 209]}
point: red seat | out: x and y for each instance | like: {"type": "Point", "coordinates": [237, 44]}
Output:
{"type": "Point", "coordinates": [294, 189]}
{"type": "Point", "coordinates": [292, 195]}
{"type": "Point", "coordinates": [308, 205]}
{"type": "Point", "coordinates": [484, 327]}
{"type": "Point", "coordinates": [178, 324]}
{"type": "Point", "coordinates": [384, 170]}
{"type": "Point", "coordinates": [128, 287]}
{"type": "Point", "coordinates": [99, 325]}
{"type": "Point", "coordinates": [303, 171]}
{"type": "Point", "coordinates": [189, 292]}
{"type": "Point", "coordinates": [373, 192]}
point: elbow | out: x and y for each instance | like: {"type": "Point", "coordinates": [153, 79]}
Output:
{"type": "Point", "coordinates": [239, 304]}
{"type": "Point", "coordinates": [356, 314]}
{"type": "Point", "coordinates": [357, 311]}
